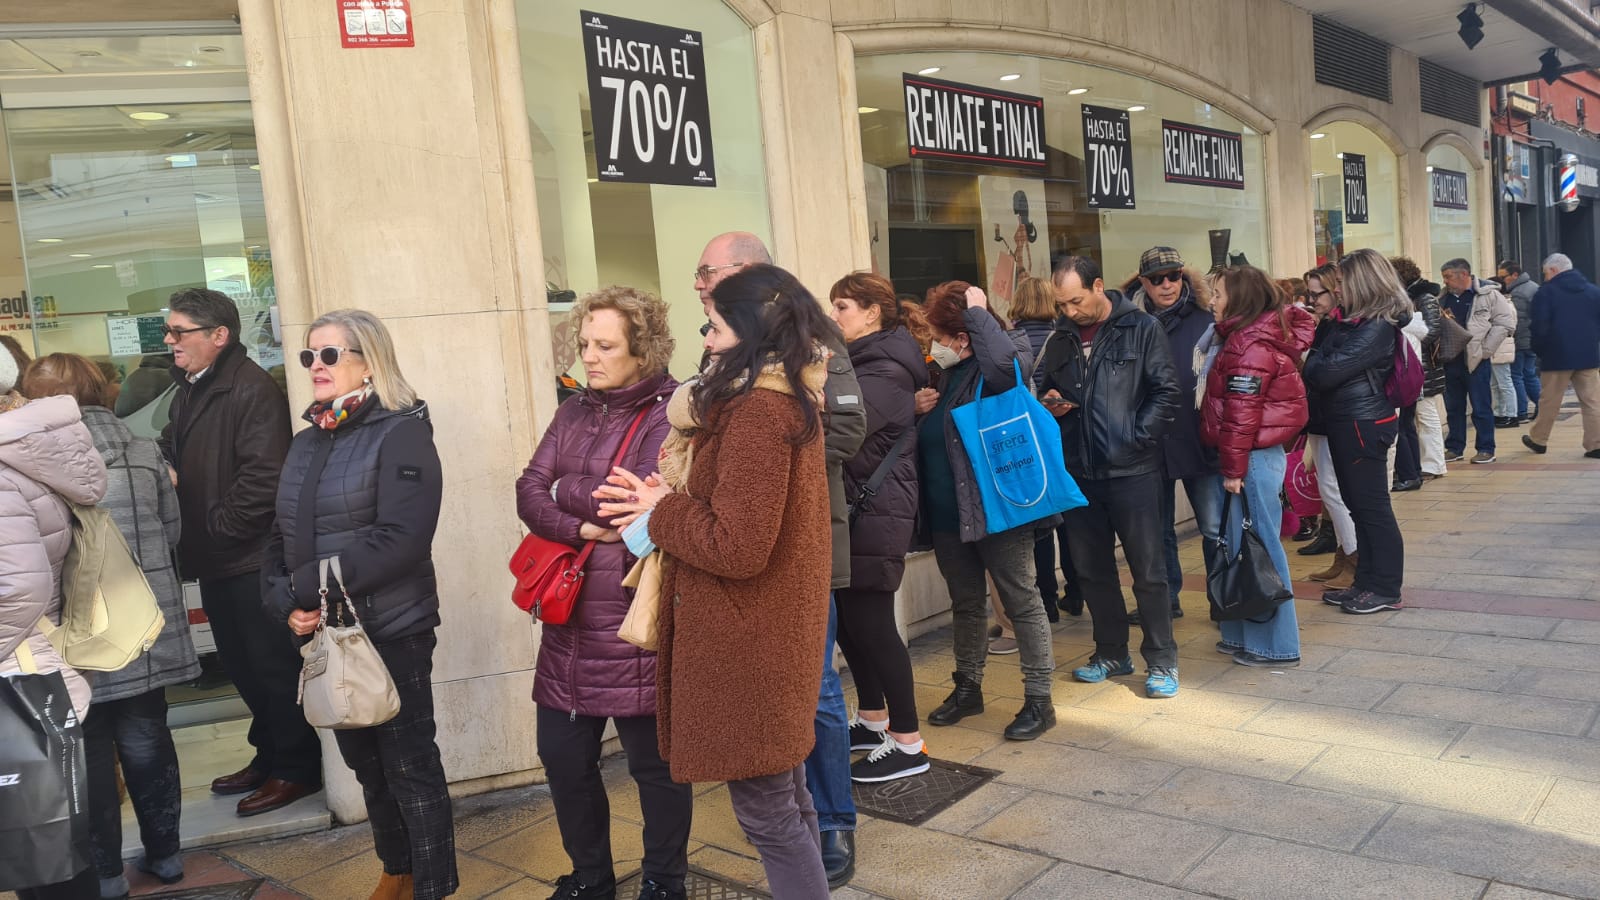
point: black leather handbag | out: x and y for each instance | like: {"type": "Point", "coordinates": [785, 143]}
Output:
{"type": "Point", "coordinates": [1242, 583]}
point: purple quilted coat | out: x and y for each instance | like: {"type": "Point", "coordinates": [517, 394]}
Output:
{"type": "Point", "coordinates": [583, 667]}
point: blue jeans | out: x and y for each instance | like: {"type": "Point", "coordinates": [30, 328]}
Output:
{"type": "Point", "coordinates": [1278, 637]}
{"type": "Point", "coordinates": [828, 766]}
{"type": "Point", "coordinates": [1207, 515]}
{"type": "Point", "coordinates": [1460, 386]}
{"type": "Point", "coordinates": [1525, 378]}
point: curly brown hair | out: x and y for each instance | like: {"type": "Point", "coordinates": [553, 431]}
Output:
{"type": "Point", "coordinates": [649, 335]}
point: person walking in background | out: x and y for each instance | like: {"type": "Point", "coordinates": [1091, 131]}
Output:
{"type": "Point", "coordinates": [970, 344]}
{"type": "Point", "coordinates": [1490, 320]}
{"type": "Point", "coordinates": [363, 486]}
{"type": "Point", "coordinates": [1110, 381]}
{"type": "Point", "coordinates": [1566, 337]}
{"type": "Point", "coordinates": [1338, 531]}
{"type": "Point", "coordinates": [1351, 359]}
{"type": "Point", "coordinates": [881, 484]}
{"type": "Point", "coordinates": [1520, 290]}
{"type": "Point", "coordinates": [1255, 403]}
{"type": "Point", "coordinates": [1424, 296]}
{"type": "Point", "coordinates": [586, 675]}
{"type": "Point", "coordinates": [741, 509]}
{"type": "Point", "coordinates": [128, 717]}
{"type": "Point", "coordinates": [1180, 302]}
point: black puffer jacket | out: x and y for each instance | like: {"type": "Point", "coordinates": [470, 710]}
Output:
{"type": "Point", "coordinates": [367, 492]}
{"type": "Point", "coordinates": [1126, 393]}
{"type": "Point", "coordinates": [890, 370]}
{"type": "Point", "coordinates": [1424, 296]}
{"type": "Point", "coordinates": [1345, 372]}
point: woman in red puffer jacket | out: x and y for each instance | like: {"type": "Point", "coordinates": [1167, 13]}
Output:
{"type": "Point", "coordinates": [1254, 403]}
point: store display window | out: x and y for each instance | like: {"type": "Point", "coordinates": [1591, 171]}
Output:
{"type": "Point", "coordinates": [1452, 209]}
{"type": "Point", "coordinates": [1355, 186]}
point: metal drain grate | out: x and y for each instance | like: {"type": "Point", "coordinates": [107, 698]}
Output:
{"type": "Point", "coordinates": [237, 890]}
{"type": "Point", "coordinates": [918, 798]}
{"type": "Point", "coordinates": [700, 885]}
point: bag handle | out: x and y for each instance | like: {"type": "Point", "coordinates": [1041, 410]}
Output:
{"type": "Point", "coordinates": [1016, 367]}
{"type": "Point", "coordinates": [323, 565]}
{"type": "Point", "coordinates": [25, 660]}
{"type": "Point", "coordinates": [880, 474]}
{"type": "Point", "coordinates": [622, 450]}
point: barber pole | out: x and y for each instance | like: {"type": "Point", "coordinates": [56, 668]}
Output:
{"type": "Point", "coordinates": [1568, 199]}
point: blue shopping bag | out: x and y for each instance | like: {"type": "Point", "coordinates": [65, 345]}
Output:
{"type": "Point", "coordinates": [1015, 448]}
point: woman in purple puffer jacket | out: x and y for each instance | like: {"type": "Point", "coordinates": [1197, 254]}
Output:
{"type": "Point", "coordinates": [586, 674]}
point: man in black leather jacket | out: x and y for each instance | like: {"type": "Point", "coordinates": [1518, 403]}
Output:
{"type": "Point", "coordinates": [1110, 381]}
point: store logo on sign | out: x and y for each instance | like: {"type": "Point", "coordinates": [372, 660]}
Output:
{"type": "Point", "coordinates": [594, 22]}
{"type": "Point", "coordinates": [612, 170]}
{"type": "Point", "coordinates": [703, 177]}
{"type": "Point", "coordinates": [688, 40]}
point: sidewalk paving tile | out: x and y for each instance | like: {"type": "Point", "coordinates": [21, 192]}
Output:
{"type": "Point", "coordinates": [1502, 794]}
{"type": "Point", "coordinates": [1249, 867]}
{"type": "Point", "coordinates": [1330, 689]}
{"type": "Point", "coordinates": [1203, 707]}
{"type": "Point", "coordinates": [1561, 683]}
{"type": "Point", "coordinates": [1240, 752]}
{"type": "Point", "coordinates": [1491, 708]}
{"type": "Point", "coordinates": [1105, 837]}
{"type": "Point", "coordinates": [1529, 857]}
{"type": "Point", "coordinates": [1393, 640]}
{"type": "Point", "coordinates": [978, 807]}
{"type": "Point", "coordinates": [1068, 880]}
{"type": "Point", "coordinates": [1444, 620]}
{"type": "Point", "coordinates": [289, 858]}
{"type": "Point", "coordinates": [1576, 632]}
{"type": "Point", "coordinates": [1301, 814]}
{"type": "Point", "coordinates": [1470, 672]}
{"type": "Point", "coordinates": [1526, 751]}
{"type": "Point", "coordinates": [1571, 806]}
{"type": "Point", "coordinates": [1508, 892]}
{"type": "Point", "coordinates": [356, 877]}
{"type": "Point", "coordinates": [1087, 728]}
{"type": "Point", "coordinates": [735, 867]}
{"type": "Point", "coordinates": [919, 862]}
{"type": "Point", "coordinates": [1076, 773]}
{"type": "Point", "coordinates": [1521, 652]}
{"type": "Point", "coordinates": [1357, 728]}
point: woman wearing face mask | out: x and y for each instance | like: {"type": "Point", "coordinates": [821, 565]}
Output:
{"type": "Point", "coordinates": [969, 339]}
{"type": "Point", "coordinates": [362, 486]}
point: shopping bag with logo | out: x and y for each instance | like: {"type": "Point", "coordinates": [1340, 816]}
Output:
{"type": "Point", "coordinates": [44, 788]}
{"type": "Point", "coordinates": [1300, 482]}
{"type": "Point", "coordinates": [344, 683]}
{"type": "Point", "coordinates": [1014, 445]}
{"type": "Point", "coordinates": [1241, 581]}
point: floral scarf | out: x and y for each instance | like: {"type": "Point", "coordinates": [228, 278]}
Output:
{"type": "Point", "coordinates": [329, 416]}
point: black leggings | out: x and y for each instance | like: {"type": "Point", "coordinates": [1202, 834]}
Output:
{"type": "Point", "coordinates": [877, 657]}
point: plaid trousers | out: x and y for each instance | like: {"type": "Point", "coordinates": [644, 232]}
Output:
{"type": "Point", "coordinates": [402, 778]}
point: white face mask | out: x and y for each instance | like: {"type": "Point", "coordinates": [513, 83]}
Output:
{"type": "Point", "coordinates": [943, 356]}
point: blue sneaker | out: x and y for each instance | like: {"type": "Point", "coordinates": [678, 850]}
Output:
{"type": "Point", "coordinates": [1162, 683]}
{"type": "Point", "coordinates": [1100, 668]}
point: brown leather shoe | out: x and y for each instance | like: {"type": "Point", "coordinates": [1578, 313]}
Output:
{"type": "Point", "coordinates": [241, 782]}
{"type": "Point", "coordinates": [1346, 578]}
{"type": "Point", "coordinates": [275, 794]}
{"type": "Point", "coordinates": [393, 887]}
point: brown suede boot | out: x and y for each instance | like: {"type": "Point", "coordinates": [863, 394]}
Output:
{"type": "Point", "coordinates": [1340, 563]}
{"type": "Point", "coordinates": [393, 887]}
{"type": "Point", "coordinates": [1347, 578]}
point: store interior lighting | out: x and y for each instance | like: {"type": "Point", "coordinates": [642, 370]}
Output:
{"type": "Point", "coordinates": [1471, 30]}
{"type": "Point", "coordinates": [1076, 91]}
{"type": "Point", "coordinates": [931, 70]}
{"type": "Point", "coordinates": [1317, 136]}
{"type": "Point", "coordinates": [1012, 77]}
{"type": "Point", "coordinates": [1136, 108]}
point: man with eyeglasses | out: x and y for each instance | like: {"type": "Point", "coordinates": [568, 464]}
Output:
{"type": "Point", "coordinates": [844, 428]}
{"type": "Point", "coordinates": [226, 442]}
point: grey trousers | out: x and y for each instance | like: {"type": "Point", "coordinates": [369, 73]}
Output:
{"type": "Point", "coordinates": [1008, 558]}
{"type": "Point", "coordinates": [776, 814]}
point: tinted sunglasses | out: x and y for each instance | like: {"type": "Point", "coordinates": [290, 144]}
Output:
{"type": "Point", "coordinates": [169, 331]}
{"type": "Point", "coordinates": [330, 356]}
{"type": "Point", "coordinates": [1175, 275]}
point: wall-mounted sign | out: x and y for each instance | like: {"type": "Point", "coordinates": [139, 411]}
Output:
{"type": "Point", "coordinates": [376, 23]}
{"type": "Point", "coordinates": [1108, 155]}
{"type": "Point", "coordinates": [136, 335]}
{"type": "Point", "coordinates": [1193, 154]}
{"type": "Point", "coordinates": [1355, 188]}
{"type": "Point", "coordinates": [946, 120]}
{"type": "Point", "coordinates": [1449, 188]}
{"type": "Point", "coordinates": [647, 87]}
{"type": "Point", "coordinates": [1522, 104]}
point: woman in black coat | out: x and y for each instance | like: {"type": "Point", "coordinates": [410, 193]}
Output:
{"type": "Point", "coordinates": [881, 486]}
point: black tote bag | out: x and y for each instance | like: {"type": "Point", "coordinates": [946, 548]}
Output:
{"type": "Point", "coordinates": [1242, 583]}
{"type": "Point", "coordinates": [44, 790]}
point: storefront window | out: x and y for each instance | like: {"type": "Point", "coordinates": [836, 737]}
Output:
{"type": "Point", "coordinates": [1356, 186]}
{"type": "Point", "coordinates": [646, 235]}
{"type": "Point", "coordinates": [935, 219]}
{"type": "Point", "coordinates": [1452, 208]}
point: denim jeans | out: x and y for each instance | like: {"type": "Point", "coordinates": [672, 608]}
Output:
{"type": "Point", "coordinates": [1207, 515]}
{"type": "Point", "coordinates": [1006, 557]}
{"type": "Point", "coordinates": [1278, 637]}
{"type": "Point", "coordinates": [1460, 386]}
{"type": "Point", "coordinates": [828, 766]}
{"type": "Point", "coordinates": [133, 729]}
{"type": "Point", "coordinates": [1505, 396]}
{"type": "Point", "coordinates": [1525, 378]}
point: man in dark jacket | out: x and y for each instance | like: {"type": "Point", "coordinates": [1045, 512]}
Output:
{"type": "Point", "coordinates": [226, 443]}
{"type": "Point", "coordinates": [1109, 379]}
{"type": "Point", "coordinates": [1424, 296]}
{"type": "Point", "coordinates": [844, 428]}
{"type": "Point", "coordinates": [1566, 335]}
{"type": "Point", "coordinates": [1519, 288]}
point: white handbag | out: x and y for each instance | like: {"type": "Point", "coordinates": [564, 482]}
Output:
{"type": "Point", "coordinates": [343, 681]}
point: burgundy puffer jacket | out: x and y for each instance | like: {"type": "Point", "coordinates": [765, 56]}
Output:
{"type": "Point", "coordinates": [583, 667]}
{"type": "Point", "coordinates": [1254, 396]}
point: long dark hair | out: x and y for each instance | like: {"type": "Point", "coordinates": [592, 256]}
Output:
{"type": "Point", "coordinates": [1251, 295]}
{"type": "Point", "coordinates": [777, 321]}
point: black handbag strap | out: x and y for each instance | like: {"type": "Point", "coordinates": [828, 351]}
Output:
{"type": "Point", "coordinates": [881, 473]}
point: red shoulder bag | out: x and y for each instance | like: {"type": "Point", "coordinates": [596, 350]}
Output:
{"type": "Point", "coordinates": [550, 574]}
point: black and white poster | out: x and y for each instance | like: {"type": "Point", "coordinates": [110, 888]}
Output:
{"type": "Point", "coordinates": [1355, 188]}
{"type": "Point", "coordinates": [1449, 188]}
{"type": "Point", "coordinates": [1108, 157]}
{"type": "Point", "coordinates": [647, 92]}
{"type": "Point", "coordinates": [965, 123]}
{"type": "Point", "coordinates": [1194, 154]}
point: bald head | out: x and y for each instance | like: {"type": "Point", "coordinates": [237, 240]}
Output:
{"type": "Point", "coordinates": [725, 254]}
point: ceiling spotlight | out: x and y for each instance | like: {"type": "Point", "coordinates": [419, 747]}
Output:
{"type": "Point", "coordinates": [931, 70]}
{"type": "Point", "coordinates": [80, 255]}
{"type": "Point", "coordinates": [211, 48]}
{"type": "Point", "coordinates": [1471, 30]}
{"type": "Point", "coordinates": [1338, 156]}
{"type": "Point", "coordinates": [866, 109]}
{"type": "Point", "coordinates": [148, 116]}
{"type": "Point", "coordinates": [1076, 91]}
{"type": "Point", "coordinates": [1319, 135]}
{"type": "Point", "coordinates": [1430, 168]}
{"type": "Point", "coordinates": [1012, 77]}
{"type": "Point", "coordinates": [1549, 66]}
{"type": "Point", "coordinates": [101, 266]}
{"type": "Point", "coordinates": [1136, 109]}
{"type": "Point", "coordinates": [51, 240]}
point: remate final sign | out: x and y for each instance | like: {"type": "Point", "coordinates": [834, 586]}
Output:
{"type": "Point", "coordinates": [946, 120]}
{"type": "Point", "coordinates": [1194, 154]}
{"type": "Point", "coordinates": [1449, 188]}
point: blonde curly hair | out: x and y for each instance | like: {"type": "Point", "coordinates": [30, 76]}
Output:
{"type": "Point", "coordinates": [649, 335]}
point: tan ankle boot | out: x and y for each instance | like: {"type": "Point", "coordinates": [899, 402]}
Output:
{"type": "Point", "coordinates": [1340, 563]}
{"type": "Point", "coordinates": [1347, 578]}
{"type": "Point", "coordinates": [393, 887]}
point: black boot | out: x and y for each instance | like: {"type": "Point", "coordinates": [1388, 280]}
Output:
{"type": "Point", "coordinates": [839, 856]}
{"type": "Point", "coordinates": [1308, 529]}
{"type": "Point", "coordinates": [1038, 715]}
{"type": "Point", "coordinates": [1324, 542]}
{"type": "Point", "coordinates": [965, 700]}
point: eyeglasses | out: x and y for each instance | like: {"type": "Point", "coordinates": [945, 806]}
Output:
{"type": "Point", "coordinates": [330, 356]}
{"type": "Point", "coordinates": [705, 329]}
{"type": "Point", "coordinates": [169, 331]}
{"type": "Point", "coordinates": [1169, 277]}
{"type": "Point", "coordinates": [1315, 294]}
{"type": "Point", "coordinates": [704, 273]}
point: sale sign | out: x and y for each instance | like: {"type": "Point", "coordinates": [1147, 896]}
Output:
{"type": "Point", "coordinates": [964, 123]}
{"type": "Point", "coordinates": [375, 23]}
{"type": "Point", "coordinates": [647, 90]}
{"type": "Point", "coordinates": [1108, 157]}
{"type": "Point", "coordinates": [1194, 154]}
{"type": "Point", "coordinates": [1355, 188]}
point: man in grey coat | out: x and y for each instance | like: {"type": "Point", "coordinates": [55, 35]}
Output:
{"type": "Point", "coordinates": [1525, 367]}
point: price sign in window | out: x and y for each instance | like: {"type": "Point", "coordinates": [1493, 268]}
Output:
{"type": "Point", "coordinates": [647, 90]}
